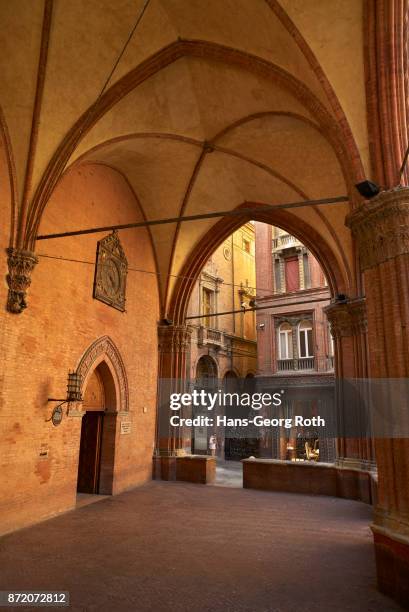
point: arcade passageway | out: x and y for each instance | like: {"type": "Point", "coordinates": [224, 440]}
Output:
{"type": "Point", "coordinates": [177, 546]}
{"type": "Point", "coordinates": [135, 138]}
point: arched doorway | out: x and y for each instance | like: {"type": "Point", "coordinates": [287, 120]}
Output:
{"type": "Point", "coordinates": [206, 378]}
{"type": "Point", "coordinates": [206, 371]}
{"type": "Point", "coordinates": [237, 442]}
{"type": "Point", "coordinates": [98, 433]}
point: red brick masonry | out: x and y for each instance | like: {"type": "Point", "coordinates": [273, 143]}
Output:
{"type": "Point", "coordinates": [313, 479]}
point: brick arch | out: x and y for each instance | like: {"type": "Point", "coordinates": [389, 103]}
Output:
{"type": "Point", "coordinates": [230, 370]}
{"type": "Point", "coordinates": [338, 280]}
{"type": "Point", "coordinates": [209, 361]}
{"type": "Point", "coordinates": [105, 351]}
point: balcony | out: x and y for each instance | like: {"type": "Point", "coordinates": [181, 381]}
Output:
{"type": "Point", "coordinates": [210, 337]}
{"type": "Point", "coordinates": [285, 365]}
{"type": "Point", "coordinates": [306, 364]}
{"type": "Point", "coordinates": [284, 241]}
{"type": "Point", "coordinates": [302, 363]}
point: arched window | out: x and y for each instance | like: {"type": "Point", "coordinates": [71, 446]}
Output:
{"type": "Point", "coordinates": [305, 344]}
{"type": "Point", "coordinates": [208, 307]}
{"type": "Point", "coordinates": [285, 341]}
{"type": "Point", "coordinates": [230, 381]}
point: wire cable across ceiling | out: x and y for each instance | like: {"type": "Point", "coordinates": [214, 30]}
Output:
{"type": "Point", "coordinates": [237, 212]}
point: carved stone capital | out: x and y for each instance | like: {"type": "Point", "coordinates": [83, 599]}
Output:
{"type": "Point", "coordinates": [347, 319]}
{"type": "Point", "coordinates": [380, 227]}
{"type": "Point", "coordinates": [174, 338]}
{"type": "Point", "coordinates": [21, 264]}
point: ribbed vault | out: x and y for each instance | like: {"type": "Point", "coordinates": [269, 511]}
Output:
{"type": "Point", "coordinates": [212, 105]}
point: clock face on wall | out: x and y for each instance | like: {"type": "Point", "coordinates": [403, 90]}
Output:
{"type": "Point", "coordinates": [110, 272]}
{"type": "Point", "coordinates": [111, 275]}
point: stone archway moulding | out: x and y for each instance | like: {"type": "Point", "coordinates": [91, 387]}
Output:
{"type": "Point", "coordinates": [105, 347]}
{"type": "Point", "coordinates": [340, 280]}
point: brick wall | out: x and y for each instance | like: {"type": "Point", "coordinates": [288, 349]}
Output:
{"type": "Point", "coordinates": [42, 344]}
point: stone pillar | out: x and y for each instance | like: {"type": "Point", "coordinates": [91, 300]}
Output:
{"type": "Point", "coordinates": [348, 324]}
{"type": "Point", "coordinates": [381, 230]}
{"type": "Point", "coordinates": [174, 347]}
{"type": "Point", "coordinates": [320, 340]}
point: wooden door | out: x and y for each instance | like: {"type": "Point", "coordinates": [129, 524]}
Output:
{"type": "Point", "coordinates": [90, 452]}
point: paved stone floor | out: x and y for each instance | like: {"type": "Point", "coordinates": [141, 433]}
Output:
{"type": "Point", "coordinates": [229, 474]}
{"type": "Point", "coordinates": [184, 547]}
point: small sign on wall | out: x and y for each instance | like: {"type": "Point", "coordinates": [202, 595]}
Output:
{"type": "Point", "coordinates": [126, 427]}
{"type": "Point", "coordinates": [44, 451]}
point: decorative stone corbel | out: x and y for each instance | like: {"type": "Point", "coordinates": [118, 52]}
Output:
{"type": "Point", "coordinates": [21, 264]}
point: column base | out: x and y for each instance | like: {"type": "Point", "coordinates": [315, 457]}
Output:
{"type": "Point", "coordinates": [392, 564]}
{"type": "Point", "coordinates": [164, 467]}
{"type": "Point", "coordinates": [365, 465]}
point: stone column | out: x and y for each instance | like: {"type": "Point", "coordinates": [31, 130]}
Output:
{"type": "Point", "coordinates": [348, 324]}
{"type": "Point", "coordinates": [174, 347]}
{"type": "Point", "coordinates": [381, 230]}
{"type": "Point", "coordinates": [320, 341]}
{"type": "Point", "coordinates": [294, 338]}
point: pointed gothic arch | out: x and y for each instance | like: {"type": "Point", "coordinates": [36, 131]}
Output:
{"type": "Point", "coordinates": [105, 350]}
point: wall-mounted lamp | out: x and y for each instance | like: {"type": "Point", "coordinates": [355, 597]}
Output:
{"type": "Point", "coordinates": [341, 298]}
{"type": "Point", "coordinates": [74, 387]}
{"type": "Point", "coordinates": [73, 395]}
{"type": "Point", "coordinates": [261, 326]}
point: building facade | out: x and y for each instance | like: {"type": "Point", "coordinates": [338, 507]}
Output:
{"type": "Point", "coordinates": [223, 347]}
{"type": "Point", "coordinates": [295, 346]}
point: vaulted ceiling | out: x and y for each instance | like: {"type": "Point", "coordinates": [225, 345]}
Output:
{"type": "Point", "coordinates": [212, 104]}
